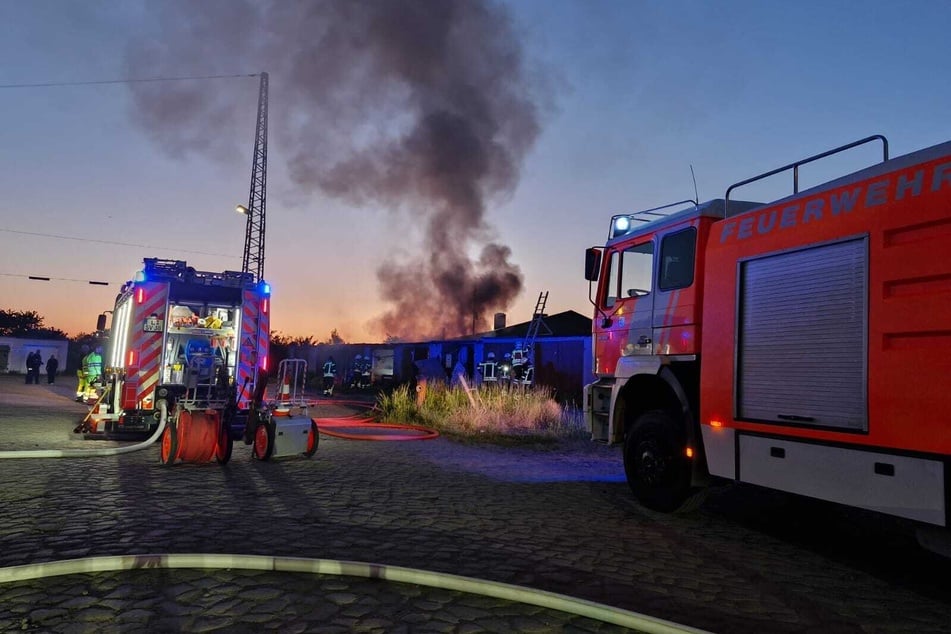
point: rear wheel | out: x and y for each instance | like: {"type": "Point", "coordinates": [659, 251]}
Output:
{"type": "Point", "coordinates": [170, 443]}
{"type": "Point", "coordinates": [263, 441]}
{"type": "Point", "coordinates": [656, 463]}
{"type": "Point", "coordinates": [313, 439]}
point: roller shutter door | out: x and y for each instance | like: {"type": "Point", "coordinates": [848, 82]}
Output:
{"type": "Point", "coordinates": [801, 353]}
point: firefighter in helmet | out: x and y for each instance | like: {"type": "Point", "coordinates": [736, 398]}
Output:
{"type": "Point", "coordinates": [330, 375]}
{"type": "Point", "coordinates": [505, 369]}
{"type": "Point", "coordinates": [81, 374]}
{"type": "Point", "coordinates": [356, 371]}
{"type": "Point", "coordinates": [92, 363]}
{"type": "Point", "coordinates": [519, 360]}
{"type": "Point", "coordinates": [487, 369]}
{"type": "Point", "coordinates": [366, 371]}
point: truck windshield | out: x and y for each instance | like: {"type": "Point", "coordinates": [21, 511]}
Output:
{"type": "Point", "coordinates": [630, 273]}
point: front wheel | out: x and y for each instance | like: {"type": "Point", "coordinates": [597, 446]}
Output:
{"type": "Point", "coordinates": [655, 461]}
{"type": "Point", "coordinates": [170, 444]}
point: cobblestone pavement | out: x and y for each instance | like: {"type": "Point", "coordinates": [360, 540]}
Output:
{"type": "Point", "coordinates": [555, 519]}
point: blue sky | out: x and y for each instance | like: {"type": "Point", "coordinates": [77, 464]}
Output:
{"type": "Point", "coordinates": [639, 93]}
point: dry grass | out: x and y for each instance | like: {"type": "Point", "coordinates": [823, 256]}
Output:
{"type": "Point", "coordinates": [493, 414]}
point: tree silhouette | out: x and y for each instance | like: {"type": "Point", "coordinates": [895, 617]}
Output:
{"type": "Point", "coordinates": [26, 323]}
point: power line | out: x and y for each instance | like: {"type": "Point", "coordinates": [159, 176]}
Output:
{"type": "Point", "coordinates": [44, 278]}
{"type": "Point", "coordinates": [124, 244]}
{"type": "Point", "coordinates": [121, 81]}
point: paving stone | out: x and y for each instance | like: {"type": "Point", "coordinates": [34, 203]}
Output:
{"type": "Point", "coordinates": [484, 512]}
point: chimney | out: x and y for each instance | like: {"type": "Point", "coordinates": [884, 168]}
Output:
{"type": "Point", "coordinates": [499, 321]}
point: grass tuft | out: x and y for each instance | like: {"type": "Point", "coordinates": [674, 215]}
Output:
{"type": "Point", "coordinates": [498, 414]}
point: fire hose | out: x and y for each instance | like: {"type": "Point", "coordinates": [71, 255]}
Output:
{"type": "Point", "coordinates": [333, 426]}
{"type": "Point", "coordinates": [396, 574]}
{"type": "Point", "coordinates": [90, 453]}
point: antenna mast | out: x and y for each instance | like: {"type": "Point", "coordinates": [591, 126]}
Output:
{"type": "Point", "coordinates": [253, 261]}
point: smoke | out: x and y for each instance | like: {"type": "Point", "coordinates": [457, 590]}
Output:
{"type": "Point", "coordinates": [424, 107]}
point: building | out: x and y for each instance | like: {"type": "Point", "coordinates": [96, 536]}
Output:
{"type": "Point", "coordinates": [562, 355]}
{"type": "Point", "coordinates": [13, 353]}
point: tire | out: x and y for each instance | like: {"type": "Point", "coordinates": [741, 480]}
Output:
{"type": "Point", "coordinates": [655, 462]}
{"type": "Point", "coordinates": [313, 439]}
{"type": "Point", "coordinates": [263, 445]}
{"type": "Point", "coordinates": [170, 444]}
{"type": "Point", "coordinates": [225, 444]}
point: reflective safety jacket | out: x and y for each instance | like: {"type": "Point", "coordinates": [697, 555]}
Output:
{"type": "Point", "coordinates": [92, 365]}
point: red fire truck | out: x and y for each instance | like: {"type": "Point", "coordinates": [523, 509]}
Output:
{"type": "Point", "coordinates": [802, 345]}
{"type": "Point", "coordinates": [195, 339]}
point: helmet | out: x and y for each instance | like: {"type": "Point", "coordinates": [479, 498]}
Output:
{"type": "Point", "coordinates": [508, 355]}
{"type": "Point", "coordinates": [491, 355]}
{"type": "Point", "coordinates": [84, 348]}
{"type": "Point", "coordinates": [358, 357]}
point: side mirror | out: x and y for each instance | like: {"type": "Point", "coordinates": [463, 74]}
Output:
{"type": "Point", "coordinates": [592, 264]}
{"type": "Point", "coordinates": [101, 322]}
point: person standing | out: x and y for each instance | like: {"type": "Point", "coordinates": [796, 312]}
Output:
{"type": "Point", "coordinates": [330, 375]}
{"type": "Point", "coordinates": [81, 374]}
{"type": "Point", "coordinates": [52, 364]}
{"type": "Point", "coordinates": [33, 363]}
{"type": "Point", "coordinates": [93, 366]}
{"type": "Point", "coordinates": [29, 368]}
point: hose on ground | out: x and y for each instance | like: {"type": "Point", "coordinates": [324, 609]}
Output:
{"type": "Point", "coordinates": [397, 574]}
{"type": "Point", "coordinates": [91, 453]}
{"type": "Point", "coordinates": [334, 425]}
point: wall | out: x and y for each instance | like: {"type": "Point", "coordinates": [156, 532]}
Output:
{"type": "Point", "coordinates": [20, 348]}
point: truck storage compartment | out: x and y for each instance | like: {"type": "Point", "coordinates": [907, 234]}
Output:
{"type": "Point", "coordinates": [802, 337]}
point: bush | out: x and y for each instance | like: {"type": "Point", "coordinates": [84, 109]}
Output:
{"type": "Point", "coordinates": [493, 413]}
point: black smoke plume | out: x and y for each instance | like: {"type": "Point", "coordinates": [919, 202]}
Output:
{"type": "Point", "coordinates": [423, 106]}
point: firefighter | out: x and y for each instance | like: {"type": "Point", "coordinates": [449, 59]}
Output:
{"type": "Point", "coordinates": [366, 369]}
{"type": "Point", "coordinates": [81, 374]}
{"type": "Point", "coordinates": [505, 370]}
{"type": "Point", "coordinates": [93, 365]}
{"type": "Point", "coordinates": [487, 369]}
{"type": "Point", "coordinates": [356, 372]}
{"type": "Point", "coordinates": [330, 375]}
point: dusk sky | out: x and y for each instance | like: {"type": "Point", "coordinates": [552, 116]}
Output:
{"type": "Point", "coordinates": [597, 107]}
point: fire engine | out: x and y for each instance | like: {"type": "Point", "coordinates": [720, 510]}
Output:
{"type": "Point", "coordinates": [196, 340]}
{"type": "Point", "coordinates": [802, 345]}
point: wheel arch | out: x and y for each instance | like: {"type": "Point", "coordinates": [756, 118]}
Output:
{"type": "Point", "coordinates": [672, 390]}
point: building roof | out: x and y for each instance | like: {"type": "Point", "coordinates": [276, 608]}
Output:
{"type": "Point", "coordinates": [566, 324]}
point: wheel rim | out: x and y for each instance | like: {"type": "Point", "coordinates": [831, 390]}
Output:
{"type": "Point", "coordinates": [652, 462]}
{"type": "Point", "coordinates": [261, 442]}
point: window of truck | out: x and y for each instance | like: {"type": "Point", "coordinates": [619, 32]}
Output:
{"type": "Point", "coordinates": [677, 253]}
{"type": "Point", "coordinates": [630, 273]}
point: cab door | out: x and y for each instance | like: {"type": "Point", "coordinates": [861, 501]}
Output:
{"type": "Point", "coordinates": [627, 298]}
